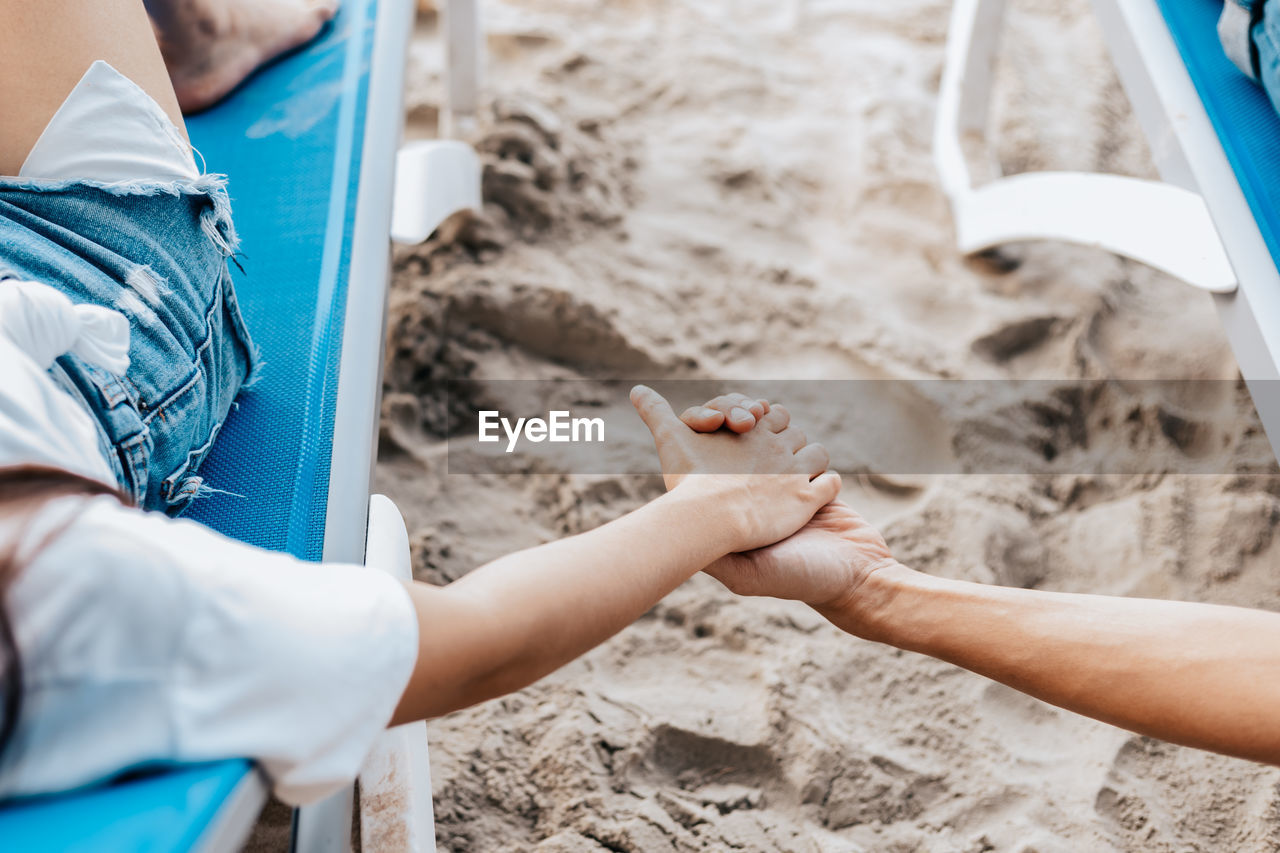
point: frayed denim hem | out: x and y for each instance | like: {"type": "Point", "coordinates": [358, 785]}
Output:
{"type": "Point", "coordinates": [216, 221]}
{"type": "Point", "coordinates": [203, 185]}
{"type": "Point", "coordinates": [256, 365]}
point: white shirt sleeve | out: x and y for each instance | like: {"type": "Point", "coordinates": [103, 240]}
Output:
{"type": "Point", "coordinates": [147, 638]}
{"type": "Point", "coordinates": [40, 424]}
{"type": "Point", "coordinates": [43, 323]}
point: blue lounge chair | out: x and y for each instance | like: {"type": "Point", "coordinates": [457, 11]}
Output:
{"type": "Point", "coordinates": [1214, 218]}
{"type": "Point", "coordinates": [309, 145]}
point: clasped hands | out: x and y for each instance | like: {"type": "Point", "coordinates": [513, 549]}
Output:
{"type": "Point", "coordinates": [796, 539]}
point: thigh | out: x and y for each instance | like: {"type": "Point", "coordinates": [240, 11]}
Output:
{"type": "Point", "coordinates": [47, 45]}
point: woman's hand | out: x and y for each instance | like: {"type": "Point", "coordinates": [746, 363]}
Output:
{"type": "Point", "coordinates": [770, 481]}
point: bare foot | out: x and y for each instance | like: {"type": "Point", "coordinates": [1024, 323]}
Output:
{"type": "Point", "coordinates": [211, 46]}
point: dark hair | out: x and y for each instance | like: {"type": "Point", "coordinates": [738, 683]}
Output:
{"type": "Point", "coordinates": [23, 491]}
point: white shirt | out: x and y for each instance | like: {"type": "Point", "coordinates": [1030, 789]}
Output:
{"type": "Point", "coordinates": [40, 423]}
{"type": "Point", "coordinates": [147, 638]}
{"type": "Point", "coordinates": [144, 638]}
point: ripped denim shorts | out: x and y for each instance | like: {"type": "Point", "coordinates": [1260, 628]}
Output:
{"type": "Point", "coordinates": [157, 252]}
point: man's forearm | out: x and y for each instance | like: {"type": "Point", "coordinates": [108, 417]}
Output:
{"type": "Point", "coordinates": [518, 618]}
{"type": "Point", "coordinates": [1197, 674]}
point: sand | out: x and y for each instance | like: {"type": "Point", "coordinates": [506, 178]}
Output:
{"type": "Point", "coordinates": [740, 189]}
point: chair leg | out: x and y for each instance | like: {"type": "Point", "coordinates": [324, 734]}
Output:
{"type": "Point", "coordinates": [395, 783]}
{"type": "Point", "coordinates": [395, 794]}
{"type": "Point", "coordinates": [1164, 226]}
{"type": "Point", "coordinates": [324, 827]}
{"type": "Point", "coordinates": [464, 47]}
{"type": "Point", "coordinates": [965, 92]}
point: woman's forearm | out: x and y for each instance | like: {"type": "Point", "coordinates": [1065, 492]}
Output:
{"type": "Point", "coordinates": [516, 619]}
{"type": "Point", "coordinates": [1202, 675]}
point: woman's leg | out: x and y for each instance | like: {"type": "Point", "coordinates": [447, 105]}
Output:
{"type": "Point", "coordinates": [47, 46]}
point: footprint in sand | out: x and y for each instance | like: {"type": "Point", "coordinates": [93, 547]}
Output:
{"type": "Point", "coordinates": [1153, 785]}
{"type": "Point", "coordinates": [874, 789]}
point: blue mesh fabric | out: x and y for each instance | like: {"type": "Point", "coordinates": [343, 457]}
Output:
{"type": "Point", "coordinates": [1247, 124]}
{"type": "Point", "coordinates": [161, 813]}
{"type": "Point", "coordinates": [290, 142]}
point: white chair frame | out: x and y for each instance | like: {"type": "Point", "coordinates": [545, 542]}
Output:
{"type": "Point", "coordinates": [1193, 224]}
{"type": "Point", "coordinates": [431, 181]}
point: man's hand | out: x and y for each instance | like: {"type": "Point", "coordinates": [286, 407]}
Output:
{"type": "Point", "coordinates": [823, 564]}
{"type": "Point", "coordinates": [826, 561]}
{"type": "Point", "coordinates": [767, 481]}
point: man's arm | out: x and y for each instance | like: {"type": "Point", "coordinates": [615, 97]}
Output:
{"type": "Point", "coordinates": [1197, 674]}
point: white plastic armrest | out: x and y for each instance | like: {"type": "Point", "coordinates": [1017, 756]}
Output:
{"type": "Point", "coordinates": [395, 784]}
{"type": "Point", "coordinates": [434, 180]}
{"type": "Point", "coordinates": [1161, 225]}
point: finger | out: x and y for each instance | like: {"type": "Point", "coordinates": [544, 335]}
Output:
{"type": "Point", "coordinates": [738, 415]}
{"type": "Point", "coordinates": [740, 420]}
{"type": "Point", "coordinates": [751, 404]}
{"type": "Point", "coordinates": [703, 418]}
{"type": "Point", "coordinates": [814, 459]}
{"type": "Point", "coordinates": [777, 418]}
{"type": "Point", "coordinates": [655, 411]}
{"type": "Point", "coordinates": [793, 438]}
{"type": "Point", "coordinates": [826, 487]}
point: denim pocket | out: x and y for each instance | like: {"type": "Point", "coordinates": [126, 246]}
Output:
{"type": "Point", "coordinates": [191, 420]}
{"type": "Point", "coordinates": [127, 439]}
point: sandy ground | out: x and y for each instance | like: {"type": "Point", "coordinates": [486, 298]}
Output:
{"type": "Point", "coordinates": [743, 189]}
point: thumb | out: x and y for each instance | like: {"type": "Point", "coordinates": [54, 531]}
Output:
{"type": "Point", "coordinates": [826, 487]}
{"type": "Point", "coordinates": [654, 411]}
